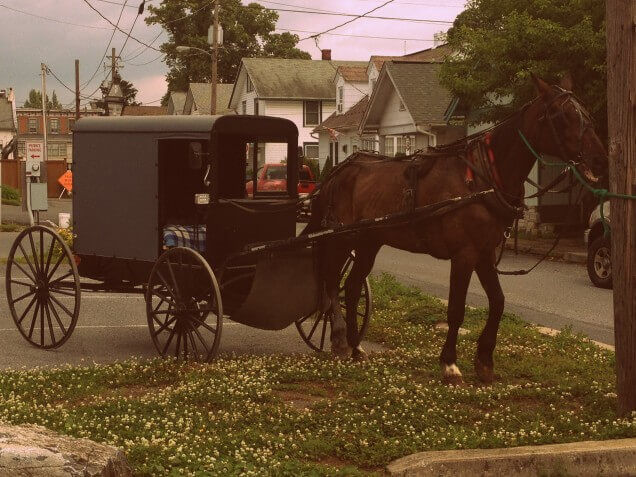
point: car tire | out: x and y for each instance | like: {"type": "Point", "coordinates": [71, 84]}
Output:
{"type": "Point", "coordinates": [599, 264]}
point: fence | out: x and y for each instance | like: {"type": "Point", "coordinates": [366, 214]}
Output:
{"type": "Point", "coordinates": [12, 171]}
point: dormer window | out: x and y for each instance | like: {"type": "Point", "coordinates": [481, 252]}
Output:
{"type": "Point", "coordinates": [249, 86]}
{"type": "Point", "coordinates": [402, 107]}
{"type": "Point", "coordinates": [340, 98]}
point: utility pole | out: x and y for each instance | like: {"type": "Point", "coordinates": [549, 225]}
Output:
{"type": "Point", "coordinates": [215, 56]}
{"type": "Point", "coordinates": [45, 151]}
{"type": "Point", "coordinates": [621, 102]}
{"type": "Point", "coordinates": [113, 65]}
{"type": "Point", "coordinates": [77, 90]}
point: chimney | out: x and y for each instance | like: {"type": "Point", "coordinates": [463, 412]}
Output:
{"type": "Point", "coordinates": [326, 54]}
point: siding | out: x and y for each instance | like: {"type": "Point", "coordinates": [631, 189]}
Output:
{"type": "Point", "coordinates": [394, 121]}
{"type": "Point", "coordinates": [352, 93]}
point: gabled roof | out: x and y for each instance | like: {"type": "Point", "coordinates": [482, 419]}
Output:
{"type": "Point", "coordinates": [144, 111]}
{"type": "Point", "coordinates": [355, 74]}
{"type": "Point", "coordinates": [6, 115]}
{"type": "Point", "coordinates": [281, 78]}
{"type": "Point", "coordinates": [418, 86]}
{"type": "Point", "coordinates": [177, 102]}
{"type": "Point", "coordinates": [434, 55]}
{"type": "Point", "coordinates": [349, 120]}
{"type": "Point", "coordinates": [201, 94]}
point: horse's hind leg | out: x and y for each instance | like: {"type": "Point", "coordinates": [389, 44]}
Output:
{"type": "Point", "coordinates": [362, 265]}
{"type": "Point", "coordinates": [486, 343]}
{"type": "Point", "coordinates": [462, 265]}
{"type": "Point", "coordinates": [332, 269]}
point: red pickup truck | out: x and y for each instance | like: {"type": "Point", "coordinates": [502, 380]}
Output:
{"type": "Point", "coordinates": [273, 177]}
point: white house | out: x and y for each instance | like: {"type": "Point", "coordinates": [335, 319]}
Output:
{"type": "Point", "coordinates": [8, 123]}
{"type": "Point", "coordinates": [409, 109]}
{"type": "Point", "coordinates": [300, 90]}
{"type": "Point", "coordinates": [198, 98]}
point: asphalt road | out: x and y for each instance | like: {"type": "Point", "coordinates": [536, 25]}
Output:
{"type": "Point", "coordinates": [554, 294]}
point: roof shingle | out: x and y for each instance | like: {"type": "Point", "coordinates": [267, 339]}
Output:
{"type": "Point", "coordinates": [431, 55]}
{"type": "Point", "coordinates": [349, 120]}
{"type": "Point", "coordinates": [202, 94]}
{"type": "Point", "coordinates": [144, 110]}
{"type": "Point", "coordinates": [355, 74]}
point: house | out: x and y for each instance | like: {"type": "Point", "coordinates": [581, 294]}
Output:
{"type": "Point", "coordinates": [7, 121]}
{"type": "Point", "coordinates": [176, 102]}
{"type": "Point", "coordinates": [409, 109]}
{"type": "Point", "coordinates": [59, 123]}
{"type": "Point", "coordinates": [339, 134]}
{"type": "Point", "coordinates": [300, 90]}
{"type": "Point", "coordinates": [130, 110]}
{"type": "Point", "coordinates": [197, 100]}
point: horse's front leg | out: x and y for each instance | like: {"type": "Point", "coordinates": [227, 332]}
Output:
{"type": "Point", "coordinates": [339, 346]}
{"type": "Point", "coordinates": [486, 343]}
{"type": "Point", "coordinates": [462, 266]}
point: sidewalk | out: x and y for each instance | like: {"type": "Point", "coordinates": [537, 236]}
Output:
{"type": "Point", "coordinates": [568, 249]}
{"type": "Point", "coordinates": [13, 214]}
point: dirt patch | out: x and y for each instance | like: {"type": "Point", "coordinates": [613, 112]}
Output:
{"type": "Point", "coordinates": [129, 392]}
{"type": "Point", "coordinates": [298, 400]}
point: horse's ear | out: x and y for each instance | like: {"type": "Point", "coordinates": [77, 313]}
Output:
{"type": "Point", "coordinates": [542, 88]}
{"type": "Point", "coordinates": [566, 82]}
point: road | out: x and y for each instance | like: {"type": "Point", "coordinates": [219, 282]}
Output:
{"type": "Point", "coordinates": [113, 326]}
{"type": "Point", "coordinates": [554, 294]}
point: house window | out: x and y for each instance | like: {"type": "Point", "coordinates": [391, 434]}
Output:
{"type": "Point", "coordinates": [389, 148]}
{"type": "Point", "coordinates": [340, 98]}
{"type": "Point", "coordinates": [311, 150]}
{"type": "Point", "coordinates": [62, 149]}
{"type": "Point", "coordinates": [311, 115]}
{"type": "Point", "coordinates": [402, 107]}
{"type": "Point", "coordinates": [249, 86]}
{"type": "Point", "coordinates": [71, 124]}
{"type": "Point", "coordinates": [368, 144]}
{"type": "Point", "coordinates": [55, 125]}
{"type": "Point", "coordinates": [244, 107]}
{"type": "Point", "coordinates": [53, 149]}
{"type": "Point", "coordinates": [256, 106]}
{"type": "Point", "coordinates": [355, 148]}
{"type": "Point", "coordinates": [33, 125]}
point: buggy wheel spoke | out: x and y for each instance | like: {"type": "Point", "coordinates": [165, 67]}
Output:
{"type": "Point", "coordinates": [57, 317]}
{"type": "Point", "coordinates": [174, 280]}
{"type": "Point", "coordinates": [20, 282]}
{"type": "Point", "coordinates": [303, 319]}
{"type": "Point", "coordinates": [176, 351]}
{"type": "Point", "coordinates": [35, 254]}
{"type": "Point", "coordinates": [42, 251]}
{"type": "Point", "coordinates": [50, 256]}
{"type": "Point", "coordinates": [164, 299]}
{"type": "Point", "coordinates": [61, 292]}
{"type": "Point", "coordinates": [35, 317]}
{"type": "Point", "coordinates": [26, 257]}
{"type": "Point", "coordinates": [61, 305]}
{"type": "Point", "coordinates": [316, 323]}
{"type": "Point", "coordinates": [165, 283]}
{"type": "Point", "coordinates": [165, 348]}
{"type": "Point", "coordinates": [23, 271]}
{"type": "Point", "coordinates": [198, 333]}
{"type": "Point", "coordinates": [194, 346]}
{"type": "Point", "coordinates": [13, 302]}
{"type": "Point", "coordinates": [59, 279]}
{"type": "Point", "coordinates": [24, 313]}
{"type": "Point", "coordinates": [164, 325]}
{"type": "Point", "coordinates": [48, 319]}
{"type": "Point", "coordinates": [42, 324]}
{"type": "Point", "coordinates": [185, 344]}
{"type": "Point", "coordinates": [54, 269]}
{"type": "Point", "coordinates": [204, 324]}
{"type": "Point", "coordinates": [322, 336]}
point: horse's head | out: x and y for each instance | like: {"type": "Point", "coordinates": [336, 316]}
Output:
{"type": "Point", "coordinates": [567, 129]}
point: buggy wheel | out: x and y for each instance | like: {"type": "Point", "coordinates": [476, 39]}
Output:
{"type": "Point", "coordinates": [315, 328]}
{"type": "Point", "coordinates": [183, 306]}
{"type": "Point", "coordinates": [43, 287]}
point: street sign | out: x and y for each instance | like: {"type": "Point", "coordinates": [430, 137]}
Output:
{"type": "Point", "coordinates": [66, 180]}
{"type": "Point", "coordinates": [35, 151]}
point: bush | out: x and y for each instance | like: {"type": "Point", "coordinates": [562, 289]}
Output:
{"type": "Point", "coordinates": [9, 193]}
{"type": "Point", "coordinates": [313, 165]}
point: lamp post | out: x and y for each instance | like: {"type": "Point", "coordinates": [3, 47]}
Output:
{"type": "Point", "coordinates": [213, 55]}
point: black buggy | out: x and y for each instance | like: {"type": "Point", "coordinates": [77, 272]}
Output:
{"type": "Point", "coordinates": [160, 208]}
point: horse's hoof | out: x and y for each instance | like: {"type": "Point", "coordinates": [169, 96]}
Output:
{"type": "Point", "coordinates": [358, 354]}
{"type": "Point", "coordinates": [484, 372]}
{"type": "Point", "coordinates": [452, 375]}
{"type": "Point", "coordinates": [340, 352]}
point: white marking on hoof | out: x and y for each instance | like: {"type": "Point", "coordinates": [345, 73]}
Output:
{"type": "Point", "coordinates": [451, 371]}
{"type": "Point", "coordinates": [359, 348]}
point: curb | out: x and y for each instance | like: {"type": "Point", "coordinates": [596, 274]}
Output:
{"type": "Point", "coordinates": [582, 459]}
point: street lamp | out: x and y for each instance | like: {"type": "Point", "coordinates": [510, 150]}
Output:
{"type": "Point", "coordinates": [185, 49]}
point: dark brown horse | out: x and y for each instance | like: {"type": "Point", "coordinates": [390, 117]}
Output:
{"type": "Point", "coordinates": [367, 186]}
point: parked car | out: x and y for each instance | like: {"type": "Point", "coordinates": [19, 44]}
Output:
{"type": "Point", "coordinates": [599, 256]}
{"type": "Point", "coordinates": [273, 177]}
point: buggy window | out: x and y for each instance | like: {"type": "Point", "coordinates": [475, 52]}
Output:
{"type": "Point", "coordinates": [276, 173]}
{"type": "Point", "coordinates": [304, 175]}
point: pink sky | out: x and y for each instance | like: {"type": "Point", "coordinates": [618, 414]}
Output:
{"type": "Point", "coordinates": [27, 41]}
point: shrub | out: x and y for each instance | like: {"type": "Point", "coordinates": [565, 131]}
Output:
{"type": "Point", "coordinates": [9, 193]}
{"type": "Point", "coordinates": [313, 165]}
{"type": "Point", "coordinates": [326, 170]}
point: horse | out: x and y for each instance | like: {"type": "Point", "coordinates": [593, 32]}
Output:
{"type": "Point", "coordinates": [496, 162]}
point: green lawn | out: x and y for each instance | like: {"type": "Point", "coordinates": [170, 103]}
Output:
{"type": "Point", "coordinates": [311, 415]}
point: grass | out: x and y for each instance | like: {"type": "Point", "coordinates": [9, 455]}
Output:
{"type": "Point", "coordinates": [11, 227]}
{"type": "Point", "coordinates": [311, 415]}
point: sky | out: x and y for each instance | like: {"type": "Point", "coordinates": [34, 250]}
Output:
{"type": "Point", "coordinates": [71, 30]}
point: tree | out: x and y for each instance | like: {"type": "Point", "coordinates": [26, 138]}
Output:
{"type": "Point", "coordinates": [498, 43]}
{"type": "Point", "coordinates": [35, 101]}
{"type": "Point", "coordinates": [130, 93]}
{"type": "Point", "coordinates": [248, 31]}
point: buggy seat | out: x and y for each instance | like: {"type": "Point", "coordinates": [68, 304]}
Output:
{"type": "Point", "coordinates": [189, 236]}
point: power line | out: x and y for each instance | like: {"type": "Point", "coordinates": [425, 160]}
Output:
{"type": "Point", "coordinates": [316, 35]}
{"type": "Point", "coordinates": [147, 62]}
{"type": "Point", "coordinates": [142, 49]}
{"type": "Point", "coordinates": [121, 50]}
{"type": "Point", "coordinates": [53, 19]}
{"type": "Point", "coordinates": [117, 27]}
{"type": "Point", "coordinates": [358, 36]}
{"type": "Point", "coordinates": [107, 47]}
